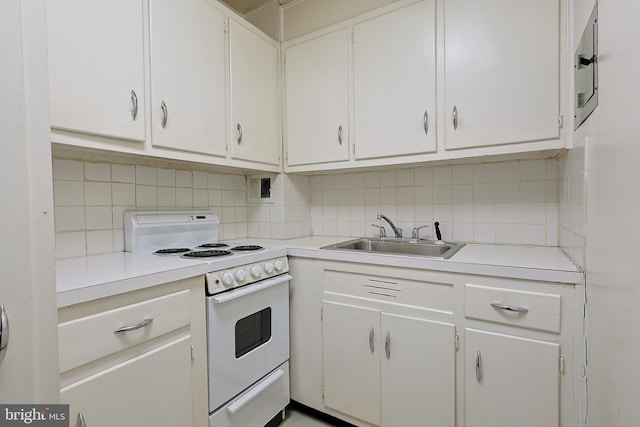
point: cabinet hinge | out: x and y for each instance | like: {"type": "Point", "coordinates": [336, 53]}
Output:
{"type": "Point", "coordinates": [561, 121]}
{"type": "Point", "coordinates": [562, 364]}
{"type": "Point", "coordinates": [457, 342]}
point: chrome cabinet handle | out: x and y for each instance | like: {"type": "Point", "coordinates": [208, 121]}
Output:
{"type": "Point", "coordinates": [140, 325]}
{"type": "Point", "coordinates": [517, 309]}
{"type": "Point", "coordinates": [134, 103]}
{"type": "Point", "coordinates": [239, 133]}
{"type": "Point", "coordinates": [80, 421]}
{"type": "Point", "coordinates": [478, 366]}
{"type": "Point", "coordinates": [387, 345]}
{"type": "Point", "coordinates": [425, 122]}
{"type": "Point", "coordinates": [455, 117]}
{"type": "Point", "coordinates": [340, 134]}
{"type": "Point", "coordinates": [165, 114]}
{"type": "Point", "coordinates": [371, 336]}
{"type": "Point", "coordinates": [4, 332]}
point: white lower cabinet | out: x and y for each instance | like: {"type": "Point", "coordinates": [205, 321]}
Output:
{"type": "Point", "coordinates": [388, 369]}
{"type": "Point", "coordinates": [510, 380]}
{"type": "Point", "coordinates": [137, 358]}
{"type": "Point", "coordinates": [408, 347]}
{"type": "Point", "coordinates": [384, 362]}
{"type": "Point", "coordinates": [151, 389]}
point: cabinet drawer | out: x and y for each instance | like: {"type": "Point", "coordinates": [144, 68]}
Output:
{"type": "Point", "coordinates": [429, 295]}
{"type": "Point", "coordinates": [518, 308]}
{"type": "Point", "coordinates": [92, 337]}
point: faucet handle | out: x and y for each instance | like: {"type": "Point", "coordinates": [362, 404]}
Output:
{"type": "Point", "coordinates": [383, 232]}
{"type": "Point", "coordinates": [415, 234]}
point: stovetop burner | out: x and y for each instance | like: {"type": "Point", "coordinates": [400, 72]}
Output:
{"type": "Point", "coordinates": [213, 245]}
{"type": "Point", "coordinates": [247, 248]}
{"type": "Point", "coordinates": [171, 251]}
{"type": "Point", "coordinates": [206, 254]}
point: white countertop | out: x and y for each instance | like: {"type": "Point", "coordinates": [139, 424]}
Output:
{"type": "Point", "coordinates": [515, 261]}
{"type": "Point", "coordinates": [87, 278]}
{"type": "Point", "coordinates": [97, 276]}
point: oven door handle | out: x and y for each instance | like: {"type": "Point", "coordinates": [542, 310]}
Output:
{"type": "Point", "coordinates": [247, 290]}
{"type": "Point", "coordinates": [251, 394]}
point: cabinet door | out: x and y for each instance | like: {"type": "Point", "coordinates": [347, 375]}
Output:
{"type": "Point", "coordinates": [188, 76]}
{"type": "Point", "coordinates": [153, 389]}
{"type": "Point", "coordinates": [317, 100]}
{"type": "Point", "coordinates": [254, 96]}
{"type": "Point", "coordinates": [351, 359]}
{"type": "Point", "coordinates": [395, 83]}
{"type": "Point", "coordinates": [418, 372]}
{"type": "Point", "coordinates": [501, 71]}
{"type": "Point", "coordinates": [96, 67]}
{"type": "Point", "coordinates": [510, 381]}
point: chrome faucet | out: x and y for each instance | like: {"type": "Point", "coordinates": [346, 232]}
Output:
{"type": "Point", "coordinates": [383, 232]}
{"type": "Point", "coordinates": [415, 234]}
{"type": "Point", "coordinates": [397, 231]}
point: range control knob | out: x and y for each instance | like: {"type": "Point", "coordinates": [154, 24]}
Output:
{"type": "Point", "coordinates": [227, 279]}
{"type": "Point", "coordinates": [268, 268]}
{"type": "Point", "coordinates": [255, 271]}
{"type": "Point", "coordinates": [240, 275]}
{"type": "Point", "coordinates": [278, 265]}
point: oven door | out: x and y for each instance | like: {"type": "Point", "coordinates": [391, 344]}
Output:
{"type": "Point", "coordinates": [247, 336]}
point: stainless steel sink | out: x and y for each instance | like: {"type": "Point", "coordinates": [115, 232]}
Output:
{"type": "Point", "coordinates": [422, 248]}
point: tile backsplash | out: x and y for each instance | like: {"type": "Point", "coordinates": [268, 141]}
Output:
{"type": "Point", "coordinates": [90, 199]}
{"type": "Point", "coordinates": [513, 202]}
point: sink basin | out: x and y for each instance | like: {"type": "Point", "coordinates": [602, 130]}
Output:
{"type": "Point", "coordinates": [422, 248]}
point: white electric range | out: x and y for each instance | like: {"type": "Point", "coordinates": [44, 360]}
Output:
{"type": "Point", "coordinates": [247, 306]}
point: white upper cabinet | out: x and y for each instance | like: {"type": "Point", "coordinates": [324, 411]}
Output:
{"type": "Point", "coordinates": [96, 67]}
{"type": "Point", "coordinates": [317, 99]}
{"type": "Point", "coordinates": [188, 76]}
{"type": "Point", "coordinates": [255, 117]}
{"type": "Point", "coordinates": [502, 72]}
{"type": "Point", "coordinates": [394, 77]}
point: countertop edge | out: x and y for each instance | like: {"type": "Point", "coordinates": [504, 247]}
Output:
{"type": "Point", "coordinates": [451, 266]}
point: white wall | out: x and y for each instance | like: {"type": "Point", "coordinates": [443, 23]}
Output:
{"type": "Point", "coordinates": [29, 371]}
{"type": "Point", "coordinates": [612, 254]}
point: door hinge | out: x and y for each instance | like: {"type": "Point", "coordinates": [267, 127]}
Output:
{"type": "Point", "coordinates": [562, 365]}
{"type": "Point", "coordinates": [193, 356]}
{"type": "Point", "coordinates": [457, 342]}
{"type": "Point", "coordinates": [353, 36]}
{"type": "Point", "coordinates": [354, 149]}
{"type": "Point", "coordinates": [560, 121]}
{"type": "Point", "coordinates": [321, 314]}
{"type": "Point", "coordinates": [322, 391]}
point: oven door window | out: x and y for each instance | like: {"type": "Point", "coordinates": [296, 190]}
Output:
{"type": "Point", "coordinates": [253, 331]}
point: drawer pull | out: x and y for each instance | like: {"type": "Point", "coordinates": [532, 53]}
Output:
{"type": "Point", "coordinates": [140, 325]}
{"type": "Point", "coordinates": [371, 338]}
{"type": "Point", "coordinates": [387, 345]}
{"type": "Point", "coordinates": [80, 421]}
{"type": "Point", "coordinates": [478, 366]}
{"type": "Point", "coordinates": [504, 307]}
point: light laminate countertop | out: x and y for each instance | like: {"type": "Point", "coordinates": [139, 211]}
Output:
{"type": "Point", "coordinates": [87, 278]}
